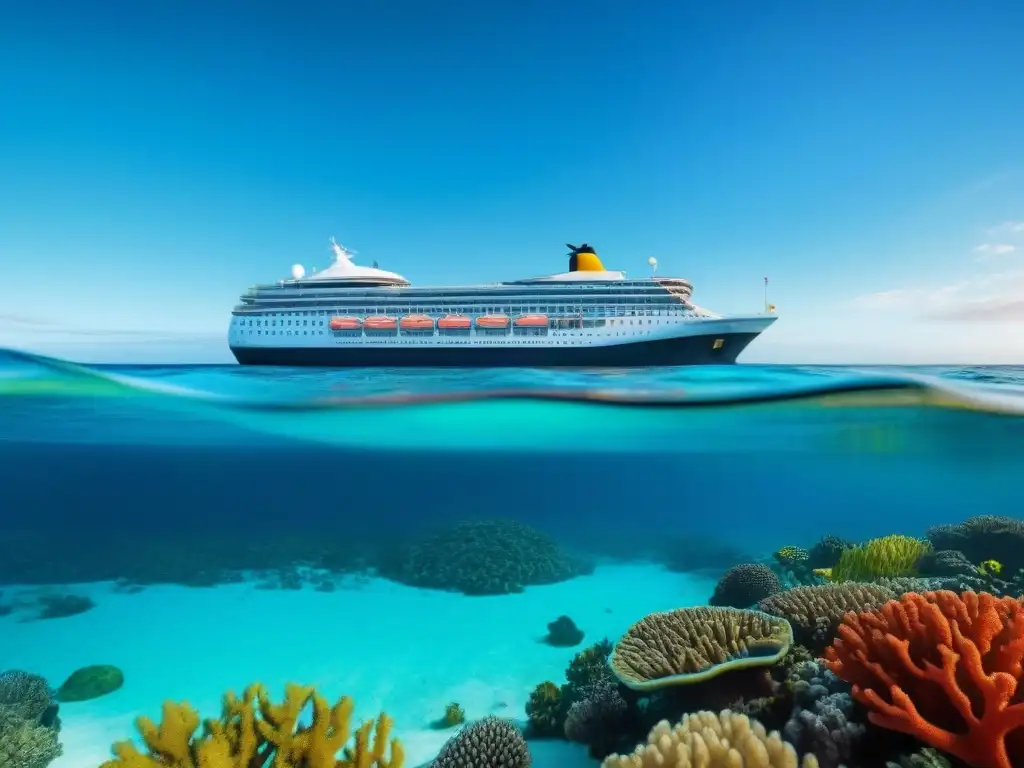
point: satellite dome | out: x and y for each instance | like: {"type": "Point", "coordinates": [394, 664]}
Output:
{"type": "Point", "coordinates": [298, 271]}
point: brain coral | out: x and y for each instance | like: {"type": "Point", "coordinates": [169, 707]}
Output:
{"type": "Point", "coordinates": [816, 611]}
{"type": "Point", "coordinates": [485, 557]}
{"type": "Point", "coordinates": [707, 740]}
{"type": "Point", "coordinates": [688, 645]}
{"type": "Point", "coordinates": [743, 585]}
{"type": "Point", "coordinates": [490, 742]}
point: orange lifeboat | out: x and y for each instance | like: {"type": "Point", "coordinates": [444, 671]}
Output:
{"type": "Point", "coordinates": [453, 323]}
{"type": "Point", "coordinates": [531, 321]}
{"type": "Point", "coordinates": [417, 323]}
{"type": "Point", "coordinates": [489, 322]}
{"type": "Point", "coordinates": [345, 324]}
{"type": "Point", "coordinates": [380, 323]}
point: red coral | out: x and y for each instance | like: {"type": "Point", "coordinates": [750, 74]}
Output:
{"type": "Point", "coordinates": [943, 668]}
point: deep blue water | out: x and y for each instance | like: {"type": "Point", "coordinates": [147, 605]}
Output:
{"type": "Point", "coordinates": [611, 461]}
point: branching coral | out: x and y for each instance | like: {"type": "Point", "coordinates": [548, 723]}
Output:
{"type": "Point", "coordinates": [545, 710]}
{"type": "Point", "coordinates": [253, 732]}
{"type": "Point", "coordinates": [598, 719]}
{"type": "Point", "coordinates": [688, 645]}
{"type": "Point", "coordinates": [707, 740]}
{"type": "Point", "coordinates": [28, 721]}
{"type": "Point", "coordinates": [943, 668]}
{"type": "Point", "coordinates": [887, 556]}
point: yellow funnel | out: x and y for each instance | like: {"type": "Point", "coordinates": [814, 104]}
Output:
{"type": "Point", "coordinates": [583, 258]}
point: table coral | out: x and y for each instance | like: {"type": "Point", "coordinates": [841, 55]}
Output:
{"type": "Point", "coordinates": [689, 645]}
{"type": "Point", "coordinates": [253, 732]}
{"type": "Point", "coordinates": [943, 668]}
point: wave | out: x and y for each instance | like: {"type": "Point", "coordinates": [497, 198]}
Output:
{"type": "Point", "coordinates": [715, 408]}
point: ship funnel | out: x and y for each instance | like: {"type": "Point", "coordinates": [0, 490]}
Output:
{"type": "Point", "coordinates": [583, 258]}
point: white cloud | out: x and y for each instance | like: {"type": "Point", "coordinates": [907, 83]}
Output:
{"type": "Point", "coordinates": [991, 297]}
{"type": "Point", "coordinates": [986, 251]}
{"type": "Point", "coordinates": [1007, 229]}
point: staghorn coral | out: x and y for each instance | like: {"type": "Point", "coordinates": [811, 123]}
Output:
{"type": "Point", "coordinates": [484, 557]}
{"type": "Point", "coordinates": [253, 731]}
{"type": "Point", "coordinates": [890, 556]}
{"type": "Point", "coordinates": [815, 611]}
{"type": "Point", "coordinates": [707, 740]}
{"type": "Point", "coordinates": [689, 645]}
{"type": "Point", "coordinates": [489, 742]}
{"type": "Point", "coordinates": [545, 710]}
{"type": "Point", "coordinates": [822, 719]}
{"type": "Point", "coordinates": [943, 668]}
{"type": "Point", "coordinates": [743, 585]}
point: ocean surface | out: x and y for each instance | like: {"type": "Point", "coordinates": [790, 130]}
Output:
{"type": "Point", "coordinates": [200, 528]}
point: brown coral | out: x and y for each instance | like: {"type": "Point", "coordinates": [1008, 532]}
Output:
{"type": "Point", "coordinates": [707, 740]}
{"type": "Point", "coordinates": [253, 731]}
{"type": "Point", "coordinates": [815, 611]}
{"type": "Point", "coordinates": [689, 645]}
{"type": "Point", "coordinates": [26, 745]}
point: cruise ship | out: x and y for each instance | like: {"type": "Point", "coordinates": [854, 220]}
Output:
{"type": "Point", "coordinates": [352, 315]}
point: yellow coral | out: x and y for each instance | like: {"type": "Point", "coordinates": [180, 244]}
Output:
{"type": "Point", "coordinates": [886, 557]}
{"type": "Point", "coordinates": [991, 567]}
{"type": "Point", "coordinates": [789, 555]}
{"type": "Point", "coordinates": [252, 729]}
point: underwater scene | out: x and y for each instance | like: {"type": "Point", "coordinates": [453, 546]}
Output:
{"type": "Point", "coordinates": [743, 566]}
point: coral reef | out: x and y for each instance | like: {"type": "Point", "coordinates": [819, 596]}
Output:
{"type": "Point", "coordinates": [253, 731]}
{"type": "Point", "coordinates": [545, 710]}
{"type": "Point", "coordinates": [984, 537]}
{"type": "Point", "coordinates": [454, 715]}
{"type": "Point", "coordinates": [484, 557]}
{"type": "Point", "coordinates": [822, 722]}
{"type": "Point", "coordinates": [29, 726]}
{"type": "Point", "coordinates": [707, 740]}
{"type": "Point", "coordinates": [693, 644]}
{"type": "Point", "coordinates": [826, 553]}
{"type": "Point", "coordinates": [923, 758]}
{"type": "Point", "coordinates": [893, 555]}
{"type": "Point", "coordinates": [490, 742]}
{"type": "Point", "coordinates": [702, 554]}
{"type": "Point", "coordinates": [90, 683]}
{"type": "Point", "coordinates": [815, 611]}
{"type": "Point", "coordinates": [598, 719]}
{"type": "Point", "coordinates": [587, 667]}
{"type": "Point", "coordinates": [943, 668]}
{"type": "Point", "coordinates": [563, 633]}
{"type": "Point", "coordinates": [743, 585]}
{"type": "Point", "coordinates": [62, 606]}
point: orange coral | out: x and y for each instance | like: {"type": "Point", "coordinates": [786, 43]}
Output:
{"type": "Point", "coordinates": [944, 668]}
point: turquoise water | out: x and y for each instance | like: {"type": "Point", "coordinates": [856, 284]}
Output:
{"type": "Point", "coordinates": [216, 488]}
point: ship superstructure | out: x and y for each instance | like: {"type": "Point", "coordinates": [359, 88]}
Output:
{"type": "Point", "coordinates": [351, 315]}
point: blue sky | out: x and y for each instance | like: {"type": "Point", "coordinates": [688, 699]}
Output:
{"type": "Point", "coordinates": [158, 158]}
